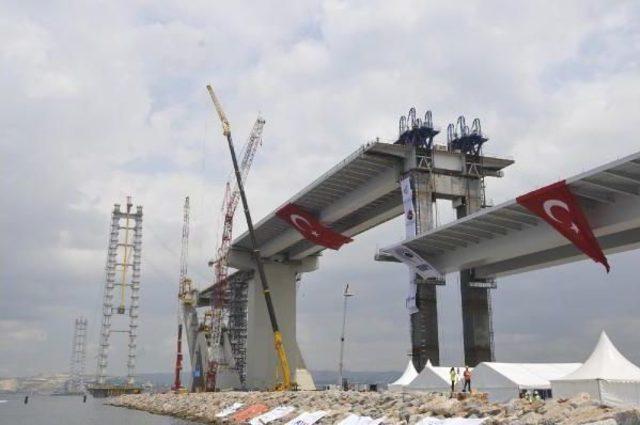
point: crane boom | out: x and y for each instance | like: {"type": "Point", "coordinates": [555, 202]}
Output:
{"type": "Point", "coordinates": [277, 336]}
{"type": "Point", "coordinates": [184, 290]}
{"type": "Point", "coordinates": [220, 298]}
{"type": "Point", "coordinates": [184, 250]}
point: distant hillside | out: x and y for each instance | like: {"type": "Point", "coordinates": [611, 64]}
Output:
{"type": "Point", "coordinates": [47, 384]}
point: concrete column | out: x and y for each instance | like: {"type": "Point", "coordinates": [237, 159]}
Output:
{"type": "Point", "coordinates": [424, 323]}
{"type": "Point", "coordinates": [477, 323]}
{"type": "Point", "coordinates": [262, 361]}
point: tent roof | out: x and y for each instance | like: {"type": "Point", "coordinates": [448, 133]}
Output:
{"type": "Point", "coordinates": [532, 375]}
{"type": "Point", "coordinates": [431, 377]}
{"type": "Point", "coordinates": [605, 362]}
{"type": "Point", "coordinates": [409, 375]}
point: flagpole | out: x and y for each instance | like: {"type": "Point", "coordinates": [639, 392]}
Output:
{"type": "Point", "coordinates": [346, 296]}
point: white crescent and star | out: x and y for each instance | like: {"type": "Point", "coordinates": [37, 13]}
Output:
{"type": "Point", "coordinates": [296, 217]}
{"type": "Point", "coordinates": [550, 203]}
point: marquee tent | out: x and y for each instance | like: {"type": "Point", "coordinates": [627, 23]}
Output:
{"type": "Point", "coordinates": [504, 381]}
{"type": "Point", "coordinates": [606, 376]}
{"type": "Point", "coordinates": [409, 375]}
{"type": "Point", "coordinates": [434, 379]}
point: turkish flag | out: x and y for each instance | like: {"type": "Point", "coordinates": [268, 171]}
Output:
{"type": "Point", "coordinates": [556, 205]}
{"type": "Point", "coordinates": [311, 228]}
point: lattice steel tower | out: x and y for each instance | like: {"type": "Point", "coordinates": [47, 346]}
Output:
{"type": "Point", "coordinates": [78, 356]}
{"type": "Point", "coordinates": [122, 271]}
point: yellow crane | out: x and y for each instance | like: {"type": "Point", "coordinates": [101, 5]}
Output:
{"type": "Point", "coordinates": [286, 384]}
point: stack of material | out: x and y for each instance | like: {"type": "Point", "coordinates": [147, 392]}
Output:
{"type": "Point", "coordinates": [606, 376]}
{"type": "Point", "coordinates": [504, 381]}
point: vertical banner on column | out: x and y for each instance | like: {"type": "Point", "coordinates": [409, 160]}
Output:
{"type": "Point", "coordinates": [409, 210]}
{"type": "Point", "coordinates": [410, 231]}
{"type": "Point", "coordinates": [410, 302]}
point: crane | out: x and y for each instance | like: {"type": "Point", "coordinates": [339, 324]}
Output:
{"type": "Point", "coordinates": [277, 335]}
{"type": "Point", "coordinates": [184, 291]}
{"type": "Point", "coordinates": [220, 296]}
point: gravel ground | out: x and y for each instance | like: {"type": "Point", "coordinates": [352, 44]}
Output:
{"type": "Point", "coordinates": [399, 408]}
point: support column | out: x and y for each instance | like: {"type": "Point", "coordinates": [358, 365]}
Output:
{"type": "Point", "coordinates": [424, 323]}
{"type": "Point", "coordinates": [262, 362]}
{"type": "Point", "coordinates": [477, 321]}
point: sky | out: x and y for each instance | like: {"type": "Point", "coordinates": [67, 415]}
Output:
{"type": "Point", "coordinates": [107, 99]}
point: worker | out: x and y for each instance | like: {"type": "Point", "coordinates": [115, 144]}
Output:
{"type": "Point", "coordinates": [467, 379]}
{"type": "Point", "coordinates": [454, 378]}
{"type": "Point", "coordinates": [536, 396]}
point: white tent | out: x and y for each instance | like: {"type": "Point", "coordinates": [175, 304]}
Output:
{"type": "Point", "coordinates": [606, 375]}
{"type": "Point", "coordinates": [409, 375]}
{"type": "Point", "coordinates": [504, 381]}
{"type": "Point", "coordinates": [433, 379]}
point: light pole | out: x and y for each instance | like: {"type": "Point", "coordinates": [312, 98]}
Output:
{"type": "Point", "coordinates": [346, 296]}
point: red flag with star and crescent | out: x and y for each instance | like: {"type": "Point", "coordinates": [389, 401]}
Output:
{"type": "Point", "coordinates": [309, 227]}
{"type": "Point", "coordinates": [556, 205]}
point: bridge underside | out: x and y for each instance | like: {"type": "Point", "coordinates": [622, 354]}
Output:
{"type": "Point", "coordinates": [508, 239]}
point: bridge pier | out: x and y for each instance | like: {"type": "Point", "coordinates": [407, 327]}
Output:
{"type": "Point", "coordinates": [477, 320]}
{"type": "Point", "coordinates": [262, 361]}
{"type": "Point", "coordinates": [425, 345]}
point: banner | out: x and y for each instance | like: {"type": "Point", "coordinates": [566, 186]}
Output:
{"type": "Point", "coordinates": [272, 415]}
{"type": "Point", "coordinates": [307, 418]}
{"type": "Point", "coordinates": [409, 210]}
{"type": "Point", "coordinates": [229, 410]}
{"type": "Point", "coordinates": [415, 262]}
{"type": "Point", "coordinates": [309, 227]}
{"type": "Point", "coordinates": [410, 302]}
{"type": "Point", "coordinates": [556, 205]}
{"type": "Point", "coordinates": [250, 412]}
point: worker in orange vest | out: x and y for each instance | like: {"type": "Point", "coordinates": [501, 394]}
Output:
{"type": "Point", "coordinates": [467, 379]}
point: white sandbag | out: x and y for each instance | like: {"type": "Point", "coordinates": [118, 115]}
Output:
{"type": "Point", "coordinates": [229, 410]}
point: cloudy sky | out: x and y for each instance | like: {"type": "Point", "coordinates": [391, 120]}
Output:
{"type": "Point", "coordinates": [106, 99]}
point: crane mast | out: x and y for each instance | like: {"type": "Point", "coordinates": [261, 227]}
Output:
{"type": "Point", "coordinates": [220, 295]}
{"type": "Point", "coordinates": [184, 291]}
{"type": "Point", "coordinates": [184, 282]}
{"type": "Point", "coordinates": [217, 313]}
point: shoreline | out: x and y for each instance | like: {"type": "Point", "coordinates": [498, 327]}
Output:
{"type": "Point", "coordinates": [397, 407]}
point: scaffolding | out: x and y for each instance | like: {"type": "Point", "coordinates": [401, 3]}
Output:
{"type": "Point", "coordinates": [78, 356]}
{"type": "Point", "coordinates": [237, 327]}
{"type": "Point", "coordinates": [123, 260]}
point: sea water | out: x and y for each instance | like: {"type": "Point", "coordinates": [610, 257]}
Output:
{"type": "Point", "coordinates": [70, 410]}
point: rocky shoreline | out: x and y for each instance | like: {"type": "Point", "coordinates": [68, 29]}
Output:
{"type": "Point", "coordinates": [398, 408]}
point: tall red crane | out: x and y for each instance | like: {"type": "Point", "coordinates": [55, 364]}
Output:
{"type": "Point", "coordinates": [220, 293]}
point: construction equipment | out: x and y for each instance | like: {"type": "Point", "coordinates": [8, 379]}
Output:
{"type": "Point", "coordinates": [221, 294]}
{"type": "Point", "coordinates": [177, 384]}
{"type": "Point", "coordinates": [277, 336]}
{"type": "Point", "coordinates": [184, 291]}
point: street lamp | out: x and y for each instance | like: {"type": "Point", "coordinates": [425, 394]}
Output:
{"type": "Point", "coordinates": [346, 296]}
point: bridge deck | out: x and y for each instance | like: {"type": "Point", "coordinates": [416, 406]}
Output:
{"type": "Point", "coordinates": [508, 239]}
{"type": "Point", "coordinates": [357, 194]}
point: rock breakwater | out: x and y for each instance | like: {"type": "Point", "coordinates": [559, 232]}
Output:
{"type": "Point", "coordinates": [397, 408]}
